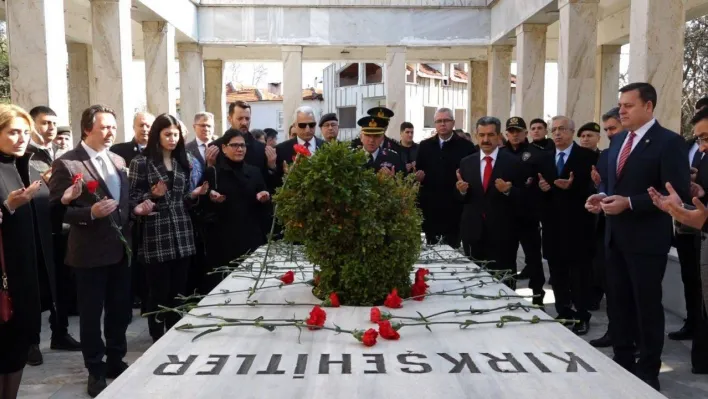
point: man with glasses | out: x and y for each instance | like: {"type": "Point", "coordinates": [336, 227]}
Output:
{"type": "Point", "coordinates": [436, 166]}
{"type": "Point", "coordinates": [304, 128]}
{"type": "Point", "coordinates": [329, 126]}
{"type": "Point", "coordinates": [568, 233]}
{"type": "Point", "coordinates": [203, 131]}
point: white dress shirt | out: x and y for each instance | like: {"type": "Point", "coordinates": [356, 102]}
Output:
{"type": "Point", "coordinates": [312, 147]}
{"type": "Point", "coordinates": [692, 153]}
{"type": "Point", "coordinates": [93, 155]}
{"type": "Point", "coordinates": [441, 141]}
{"type": "Point", "coordinates": [483, 163]}
{"type": "Point", "coordinates": [566, 153]}
{"type": "Point", "coordinates": [639, 134]}
{"type": "Point", "coordinates": [375, 154]}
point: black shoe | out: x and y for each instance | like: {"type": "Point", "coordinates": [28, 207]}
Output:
{"type": "Point", "coordinates": [34, 356]}
{"type": "Point", "coordinates": [653, 382]}
{"type": "Point", "coordinates": [114, 369]}
{"type": "Point", "coordinates": [684, 334]}
{"type": "Point", "coordinates": [65, 343]}
{"type": "Point", "coordinates": [581, 328]}
{"type": "Point", "coordinates": [603, 342]}
{"type": "Point", "coordinates": [523, 275]}
{"type": "Point", "coordinates": [95, 385]}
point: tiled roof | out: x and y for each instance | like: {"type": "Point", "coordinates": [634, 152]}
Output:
{"type": "Point", "coordinates": [254, 94]}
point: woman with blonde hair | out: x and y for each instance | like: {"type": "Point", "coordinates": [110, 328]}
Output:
{"type": "Point", "coordinates": [18, 274]}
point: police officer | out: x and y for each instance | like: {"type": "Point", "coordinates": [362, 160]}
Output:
{"type": "Point", "coordinates": [372, 137]}
{"type": "Point", "coordinates": [527, 221]}
{"type": "Point", "coordinates": [385, 114]}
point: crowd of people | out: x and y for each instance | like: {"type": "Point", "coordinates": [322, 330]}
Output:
{"type": "Point", "coordinates": [101, 227]}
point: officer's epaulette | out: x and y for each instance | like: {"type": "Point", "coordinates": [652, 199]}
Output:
{"type": "Point", "coordinates": [392, 151]}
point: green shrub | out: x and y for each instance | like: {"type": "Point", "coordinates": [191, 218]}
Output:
{"type": "Point", "coordinates": [362, 230]}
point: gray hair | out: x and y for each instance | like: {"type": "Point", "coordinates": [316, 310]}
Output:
{"type": "Point", "coordinates": [142, 113]}
{"type": "Point", "coordinates": [614, 113]}
{"type": "Point", "coordinates": [304, 110]}
{"type": "Point", "coordinates": [201, 115]}
{"type": "Point", "coordinates": [447, 110]}
{"type": "Point", "coordinates": [571, 124]}
{"type": "Point", "coordinates": [490, 120]}
{"type": "Point", "coordinates": [257, 133]}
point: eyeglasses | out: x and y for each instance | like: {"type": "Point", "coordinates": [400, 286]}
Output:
{"type": "Point", "coordinates": [204, 125]}
{"type": "Point", "coordinates": [559, 129]}
{"type": "Point", "coordinates": [236, 145]}
{"type": "Point", "coordinates": [311, 125]}
{"type": "Point", "coordinates": [700, 140]}
{"type": "Point", "coordinates": [441, 121]}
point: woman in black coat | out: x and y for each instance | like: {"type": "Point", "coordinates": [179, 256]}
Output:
{"type": "Point", "coordinates": [234, 209]}
{"type": "Point", "coordinates": [19, 246]}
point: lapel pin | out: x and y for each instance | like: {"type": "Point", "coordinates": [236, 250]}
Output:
{"type": "Point", "coordinates": [646, 141]}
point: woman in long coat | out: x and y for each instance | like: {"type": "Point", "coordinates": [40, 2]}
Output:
{"type": "Point", "coordinates": [18, 244]}
{"type": "Point", "coordinates": [235, 207]}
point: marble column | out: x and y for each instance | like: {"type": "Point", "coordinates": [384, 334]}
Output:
{"type": "Point", "coordinates": [191, 82]}
{"type": "Point", "coordinates": [292, 83]}
{"type": "Point", "coordinates": [160, 79]}
{"type": "Point", "coordinates": [530, 70]}
{"type": "Point", "coordinates": [215, 93]}
{"type": "Point", "coordinates": [499, 82]}
{"type": "Point", "coordinates": [476, 93]}
{"type": "Point", "coordinates": [607, 73]}
{"type": "Point", "coordinates": [577, 44]}
{"type": "Point", "coordinates": [395, 89]}
{"type": "Point", "coordinates": [37, 52]}
{"type": "Point", "coordinates": [112, 60]}
{"type": "Point", "coordinates": [80, 84]}
{"type": "Point", "coordinates": [656, 54]}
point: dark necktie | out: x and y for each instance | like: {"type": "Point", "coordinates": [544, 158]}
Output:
{"type": "Point", "coordinates": [561, 163]}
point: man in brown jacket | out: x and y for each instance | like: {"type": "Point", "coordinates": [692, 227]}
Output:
{"type": "Point", "coordinates": [99, 221]}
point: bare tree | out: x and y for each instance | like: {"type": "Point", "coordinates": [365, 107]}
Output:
{"type": "Point", "coordinates": [695, 69]}
{"type": "Point", "coordinates": [233, 72]}
{"type": "Point", "coordinates": [4, 65]}
{"type": "Point", "coordinates": [259, 72]}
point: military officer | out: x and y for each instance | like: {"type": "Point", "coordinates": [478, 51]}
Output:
{"type": "Point", "coordinates": [372, 137]}
{"type": "Point", "coordinates": [385, 114]}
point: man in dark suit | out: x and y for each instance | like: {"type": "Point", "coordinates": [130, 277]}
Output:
{"type": "Point", "coordinates": [489, 184]}
{"type": "Point", "coordinates": [54, 278]}
{"type": "Point", "coordinates": [204, 133]}
{"type": "Point", "coordinates": [94, 249]}
{"type": "Point", "coordinates": [141, 129]}
{"type": "Point", "coordinates": [567, 227]}
{"type": "Point", "coordinates": [304, 128]}
{"type": "Point", "coordinates": [128, 150]}
{"type": "Point", "coordinates": [638, 234]}
{"type": "Point", "coordinates": [372, 135]}
{"type": "Point", "coordinates": [438, 159]}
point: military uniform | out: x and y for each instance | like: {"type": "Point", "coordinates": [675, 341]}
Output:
{"type": "Point", "coordinates": [527, 221]}
{"type": "Point", "coordinates": [383, 156]}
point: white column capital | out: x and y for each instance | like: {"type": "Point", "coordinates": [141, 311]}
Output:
{"type": "Point", "coordinates": [156, 27]}
{"type": "Point", "coordinates": [292, 49]}
{"type": "Point", "coordinates": [189, 48]}
{"type": "Point", "coordinates": [563, 3]}
{"type": "Point", "coordinates": [534, 28]}
{"type": "Point", "coordinates": [213, 63]}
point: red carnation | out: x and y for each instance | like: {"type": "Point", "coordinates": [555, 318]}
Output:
{"type": "Point", "coordinates": [369, 337]}
{"type": "Point", "coordinates": [288, 277]}
{"type": "Point", "coordinates": [393, 300]}
{"type": "Point", "coordinates": [375, 315]}
{"type": "Point", "coordinates": [418, 290]}
{"type": "Point", "coordinates": [333, 300]}
{"type": "Point", "coordinates": [387, 331]}
{"type": "Point", "coordinates": [77, 177]}
{"type": "Point", "coordinates": [420, 274]}
{"type": "Point", "coordinates": [92, 186]}
{"type": "Point", "coordinates": [302, 150]}
{"type": "Point", "coordinates": [317, 318]}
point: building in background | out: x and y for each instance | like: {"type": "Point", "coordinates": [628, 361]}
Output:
{"type": "Point", "coordinates": [350, 89]}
